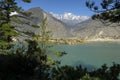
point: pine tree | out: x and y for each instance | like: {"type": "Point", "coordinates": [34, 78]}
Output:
{"type": "Point", "coordinates": [6, 29]}
{"type": "Point", "coordinates": [108, 10]}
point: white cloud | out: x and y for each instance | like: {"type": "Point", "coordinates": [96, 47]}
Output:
{"type": "Point", "coordinates": [13, 13]}
{"type": "Point", "coordinates": [70, 18]}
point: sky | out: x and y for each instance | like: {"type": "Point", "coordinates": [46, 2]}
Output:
{"type": "Point", "coordinates": [76, 7]}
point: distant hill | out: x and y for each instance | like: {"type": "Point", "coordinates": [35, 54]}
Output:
{"type": "Point", "coordinates": [96, 29]}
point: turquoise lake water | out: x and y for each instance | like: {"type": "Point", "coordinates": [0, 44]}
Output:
{"type": "Point", "coordinates": [90, 55]}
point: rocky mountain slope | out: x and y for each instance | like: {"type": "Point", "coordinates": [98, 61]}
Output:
{"type": "Point", "coordinates": [26, 24]}
{"type": "Point", "coordinates": [96, 29]}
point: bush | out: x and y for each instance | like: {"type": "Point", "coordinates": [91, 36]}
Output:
{"type": "Point", "coordinates": [87, 77]}
{"type": "Point", "coordinates": [15, 67]}
{"type": "Point", "coordinates": [35, 26]}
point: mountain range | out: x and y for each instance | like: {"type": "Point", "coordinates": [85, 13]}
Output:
{"type": "Point", "coordinates": [69, 18]}
{"type": "Point", "coordinates": [60, 27]}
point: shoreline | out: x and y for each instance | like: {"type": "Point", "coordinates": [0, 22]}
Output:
{"type": "Point", "coordinates": [75, 41]}
{"type": "Point", "coordinates": [104, 40]}
{"type": "Point", "coordinates": [80, 41]}
{"type": "Point", "coordinates": [67, 41]}
{"type": "Point", "coordinates": [100, 40]}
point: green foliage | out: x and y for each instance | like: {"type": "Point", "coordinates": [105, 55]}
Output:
{"type": "Point", "coordinates": [30, 33]}
{"type": "Point", "coordinates": [87, 77]}
{"type": "Point", "coordinates": [43, 38]}
{"type": "Point", "coordinates": [44, 35]}
{"type": "Point", "coordinates": [80, 73]}
{"type": "Point", "coordinates": [28, 1]}
{"type": "Point", "coordinates": [16, 67]}
{"type": "Point", "coordinates": [46, 62]}
{"type": "Point", "coordinates": [28, 14]}
{"type": "Point", "coordinates": [60, 54]}
{"type": "Point", "coordinates": [7, 6]}
{"type": "Point", "coordinates": [3, 45]}
{"type": "Point", "coordinates": [6, 30]}
{"type": "Point", "coordinates": [34, 51]}
{"type": "Point", "coordinates": [35, 26]}
{"type": "Point", "coordinates": [38, 59]}
{"type": "Point", "coordinates": [6, 33]}
{"type": "Point", "coordinates": [68, 73]}
{"type": "Point", "coordinates": [107, 73]}
{"type": "Point", "coordinates": [109, 10]}
{"type": "Point", "coordinates": [17, 20]}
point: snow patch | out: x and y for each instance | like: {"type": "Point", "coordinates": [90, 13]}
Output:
{"type": "Point", "coordinates": [13, 13]}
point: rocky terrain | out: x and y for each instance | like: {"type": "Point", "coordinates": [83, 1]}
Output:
{"type": "Point", "coordinates": [91, 29]}
{"type": "Point", "coordinates": [27, 25]}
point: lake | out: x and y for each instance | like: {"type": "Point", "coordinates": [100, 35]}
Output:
{"type": "Point", "coordinates": [90, 55]}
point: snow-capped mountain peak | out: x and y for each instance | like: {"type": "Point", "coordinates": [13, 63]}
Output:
{"type": "Point", "coordinates": [69, 18]}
